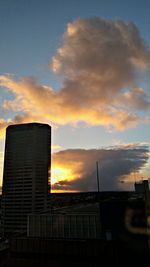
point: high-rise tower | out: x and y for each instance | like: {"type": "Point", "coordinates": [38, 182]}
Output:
{"type": "Point", "coordinates": [26, 180]}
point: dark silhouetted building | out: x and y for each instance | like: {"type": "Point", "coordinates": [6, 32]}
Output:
{"type": "Point", "coordinates": [142, 186]}
{"type": "Point", "coordinates": [26, 180]}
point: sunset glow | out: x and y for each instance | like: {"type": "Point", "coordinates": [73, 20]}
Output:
{"type": "Point", "coordinates": [59, 173]}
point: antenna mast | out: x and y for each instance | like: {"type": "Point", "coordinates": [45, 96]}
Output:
{"type": "Point", "coordinates": [97, 172]}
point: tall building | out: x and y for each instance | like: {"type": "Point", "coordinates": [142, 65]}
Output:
{"type": "Point", "coordinates": [26, 179]}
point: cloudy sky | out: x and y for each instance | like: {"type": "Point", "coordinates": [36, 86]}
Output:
{"type": "Point", "coordinates": [83, 67]}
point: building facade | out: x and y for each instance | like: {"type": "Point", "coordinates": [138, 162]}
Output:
{"type": "Point", "coordinates": [76, 222]}
{"type": "Point", "coordinates": [26, 179]}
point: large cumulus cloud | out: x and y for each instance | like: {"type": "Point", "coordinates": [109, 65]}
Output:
{"type": "Point", "coordinates": [99, 60]}
{"type": "Point", "coordinates": [115, 165]}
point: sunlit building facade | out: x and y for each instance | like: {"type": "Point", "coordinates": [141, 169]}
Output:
{"type": "Point", "coordinates": [26, 179]}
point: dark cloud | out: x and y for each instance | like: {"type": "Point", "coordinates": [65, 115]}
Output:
{"type": "Point", "coordinates": [114, 166]}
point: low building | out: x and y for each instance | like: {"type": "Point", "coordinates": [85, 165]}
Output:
{"type": "Point", "coordinates": [75, 222]}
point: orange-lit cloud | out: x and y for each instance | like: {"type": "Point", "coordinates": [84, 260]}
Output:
{"type": "Point", "coordinates": [56, 147]}
{"type": "Point", "coordinates": [64, 172]}
{"type": "Point", "coordinates": [99, 60]}
{"type": "Point", "coordinates": [75, 169]}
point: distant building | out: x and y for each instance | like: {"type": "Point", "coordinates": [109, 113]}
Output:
{"type": "Point", "coordinates": [142, 186]}
{"type": "Point", "coordinates": [26, 180]}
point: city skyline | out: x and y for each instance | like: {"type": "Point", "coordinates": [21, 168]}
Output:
{"type": "Point", "coordinates": [89, 63]}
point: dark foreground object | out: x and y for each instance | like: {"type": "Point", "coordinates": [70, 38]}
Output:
{"type": "Point", "coordinates": [23, 252]}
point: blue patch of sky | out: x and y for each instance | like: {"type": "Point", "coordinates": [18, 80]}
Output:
{"type": "Point", "coordinates": [31, 30]}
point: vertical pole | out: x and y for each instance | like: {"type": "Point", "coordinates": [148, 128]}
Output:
{"type": "Point", "coordinates": [97, 172]}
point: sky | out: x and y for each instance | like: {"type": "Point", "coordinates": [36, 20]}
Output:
{"type": "Point", "coordinates": [84, 68]}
